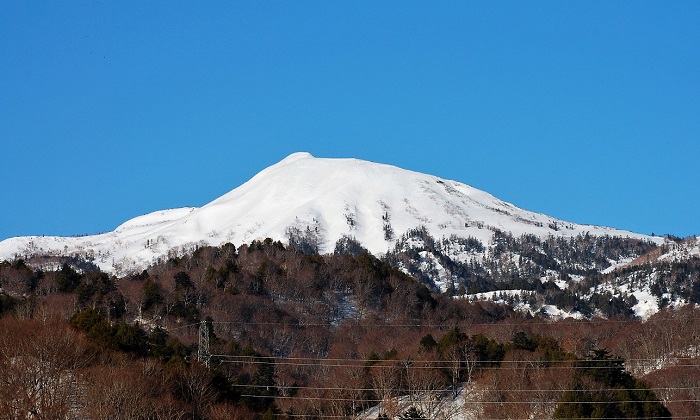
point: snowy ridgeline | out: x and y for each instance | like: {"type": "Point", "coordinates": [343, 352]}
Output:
{"type": "Point", "coordinates": [322, 199]}
{"type": "Point", "coordinates": [452, 237]}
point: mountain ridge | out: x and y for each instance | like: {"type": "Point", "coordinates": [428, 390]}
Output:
{"type": "Point", "coordinates": [312, 199]}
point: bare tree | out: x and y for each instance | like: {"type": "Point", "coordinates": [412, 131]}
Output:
{"type": "Point", "coordinates": [424, 383]}
{"type": "Point", "coordinates": [385, 381]}
{"type": "Point", "coordinates": [118, 393]}
{"type": "Point", "coordinates": [38, 361]}
{"type": "Point", "coordinates": [194, 385]}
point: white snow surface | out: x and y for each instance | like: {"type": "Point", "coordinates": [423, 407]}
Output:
{"type": "Point", "coordinates": [333, 197]}
{"type": "Point", "coordinates": [687, 248]}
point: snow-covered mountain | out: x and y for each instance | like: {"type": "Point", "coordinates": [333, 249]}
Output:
{"type": "Point", "coordinates": [316, 200]}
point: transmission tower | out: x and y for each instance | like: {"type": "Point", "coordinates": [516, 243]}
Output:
{"type": "Point", "coordinates": [203, 353]}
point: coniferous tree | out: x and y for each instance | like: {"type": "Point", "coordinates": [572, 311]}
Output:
{"type": "Point", "coordinates": [603, 389]}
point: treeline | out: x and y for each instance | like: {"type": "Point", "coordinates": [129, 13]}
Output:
{"type": "Point", "coordinates": [290, 333]}
{"type": "Point", "coordinates": [53, 370]}
{"type": "Point", "coordinates": [511, 262]}
{"type": "Point", "coordinates": [539, 266]}
{"type": "Point", "coordinates": [259, 299]}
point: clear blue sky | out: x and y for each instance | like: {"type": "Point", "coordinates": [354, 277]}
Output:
{"type": "Point", "coordinates": [587, 111]}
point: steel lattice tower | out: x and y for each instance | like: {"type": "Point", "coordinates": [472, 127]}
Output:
{"type": "Point", "coordinates": [203, 353]}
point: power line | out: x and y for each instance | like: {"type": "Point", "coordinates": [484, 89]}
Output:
{"type": "Point", "coordinates": [183, 326]}
{"type": "Point", "coordinates": [455, 323]}
{"type": "Point", "coordinates": [366, 416]}
{"type": "Point", "coordinates": [408, 401]}
{"type": "Point", "coordinates": [411, 361]}
{"type": "Point", "coordinates": [379, 400]}
{"type": "Point", "coordinates": [442, 364]}
{"type": "Point", "coordinates": [446, 390]}
{"type": "Point", "coordinates": [438, 367]}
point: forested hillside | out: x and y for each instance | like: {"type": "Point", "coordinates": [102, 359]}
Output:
{"type": "Point", "coordinates": [581, 276]}
{"type": "Point", "coordinates": [297, 335]}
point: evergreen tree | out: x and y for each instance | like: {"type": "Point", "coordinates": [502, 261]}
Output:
{"type": "Point", "coordinates": [67, 279]}
{"type": "Point", "coordinates": [603, 389]}
{"type": "Point", "coordinates": [413, 414]}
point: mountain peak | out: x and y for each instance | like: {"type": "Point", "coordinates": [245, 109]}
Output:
{"type": "Point", "coordinates": [296, 156]}
{"type": "Point", "coordinates": [321, 199]}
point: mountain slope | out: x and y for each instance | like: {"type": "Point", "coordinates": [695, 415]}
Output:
{"type": "Point", "coordinates": [317, 201]}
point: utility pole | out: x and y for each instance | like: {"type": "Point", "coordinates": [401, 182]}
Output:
{"type": "Point", "coordinates": [203, 353]}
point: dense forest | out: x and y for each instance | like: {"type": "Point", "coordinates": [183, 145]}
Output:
{"type": "Point", "coordinates": [266, 330]}
{"type": "Point", "coordinates": [576, 275]}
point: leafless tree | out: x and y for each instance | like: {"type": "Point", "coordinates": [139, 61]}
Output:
{"type": "Point", "coordinates": [385, 380]}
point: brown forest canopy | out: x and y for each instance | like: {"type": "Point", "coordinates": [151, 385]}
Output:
{"type": "Point", "coordinates": [296, 333]}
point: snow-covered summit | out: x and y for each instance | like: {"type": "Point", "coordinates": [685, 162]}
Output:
{"type": "Point", "coordinates": [321, 199]}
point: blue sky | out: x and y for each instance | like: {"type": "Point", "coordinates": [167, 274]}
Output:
{"type": "Point", "coordinates": [586, 111]}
